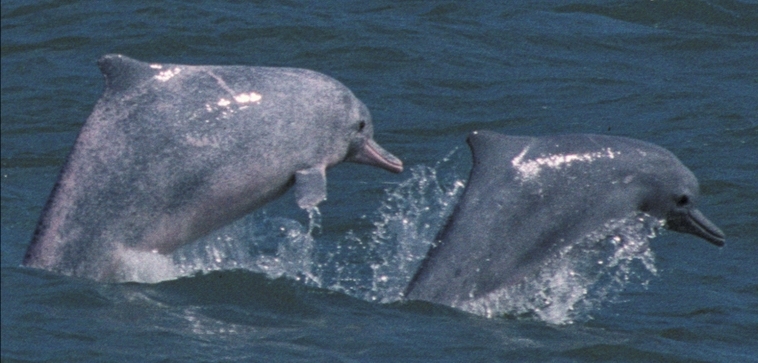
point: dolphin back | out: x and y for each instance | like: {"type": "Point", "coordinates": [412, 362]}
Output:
{"type": "Point", "coordinates": [452, 270]}
{"type": "Point", "coordinates": [172, 152]}
{"type": "Point", "coordinates": [529, 197]}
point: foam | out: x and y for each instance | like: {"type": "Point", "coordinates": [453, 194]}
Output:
{"type": "Point", "coordinates": [580, 277]}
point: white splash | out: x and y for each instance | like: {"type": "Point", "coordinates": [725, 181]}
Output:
{"type": "Point", "coordinates": [143, 266]}
{"type": "Point", "coordinates": [223, 102]}
{"type": "Point", "coordinates": [274, 246]}
{"type": "Point", "coordinates": [156, 66]}
{"type": "Point", "coordinates": [409, 220]}
{"type": "Point", "coordinates": [580, 277]}
{"type": "Point", "coordinates": [167, 74]}
{"type": "Point", "coordinates": [530, 169]}
{"type": "Point", "coordinates": [376, 265]}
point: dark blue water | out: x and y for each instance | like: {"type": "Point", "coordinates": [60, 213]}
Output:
{"type": "Point", "coordinates": [681, 74]}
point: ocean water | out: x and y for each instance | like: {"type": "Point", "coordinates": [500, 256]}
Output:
{"type": "Point", "coordinates": [281, 285]}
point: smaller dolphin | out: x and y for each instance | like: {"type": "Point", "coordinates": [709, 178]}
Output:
{"type": "Point", "coordinates": [172, 152]}
{"type": "Point", "coordinates": [527, 197]}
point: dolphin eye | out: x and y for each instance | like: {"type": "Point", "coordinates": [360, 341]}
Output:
{"type": "Point", "coordinates": [682, 201]}
{"type": "Point", "coordinates": [361, 126]}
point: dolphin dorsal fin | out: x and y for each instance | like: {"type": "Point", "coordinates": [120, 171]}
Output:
{"type": "Point", "coordinates": [489, 147]}
{"type": "Point", "coordinates": [122, 72]}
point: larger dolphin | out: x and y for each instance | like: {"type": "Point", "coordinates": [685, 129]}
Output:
{"type": "Point", "coordinates": [172, 152]}
{"type": "Point", "coordinates": [529, 196]}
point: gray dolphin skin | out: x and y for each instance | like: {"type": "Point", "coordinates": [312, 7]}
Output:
{"type": "Point", "coordinates": [172, 152]}
{"type": "Point", "coordinates": [527, 197]}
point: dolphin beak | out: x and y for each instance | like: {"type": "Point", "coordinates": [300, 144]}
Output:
{"type": "Point", "coordinates": [373, 154]}
{"type": "Point", "coordinates": [693, 222]}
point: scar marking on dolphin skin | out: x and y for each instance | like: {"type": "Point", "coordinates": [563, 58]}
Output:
{"type": "Point", "coordinates": [221, 83]}
{"type": "Point", "coordinates": [240, 98]}
{"type": "Point", "coordinates": [202, 141]}
{"type": "Point", "coordinates": [517, 160]}
{"type": "Point", "coordinates": [156, 66]}
{"type": "Point", "coordinates": [530, 169]}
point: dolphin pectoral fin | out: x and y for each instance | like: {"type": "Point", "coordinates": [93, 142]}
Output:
{"type": "Point", "coordinates": [373, 154]}
{"type": "Point", "coordinates": [692, 221]}
{"type": "Point", "coordinates": [310, 187]}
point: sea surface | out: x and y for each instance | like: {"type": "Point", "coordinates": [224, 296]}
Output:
{"type": "Point", "coordinates": [284, 286]}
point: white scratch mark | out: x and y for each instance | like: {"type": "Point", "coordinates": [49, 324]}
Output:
{"type": "Point", "coordinates": [249, 97]}
{"type": "Point", "coordinates": [202, 141]}
{"type": "Point", "coordinates": [221, 83]}
{"type": "Point", "coordinates": [156, 66]}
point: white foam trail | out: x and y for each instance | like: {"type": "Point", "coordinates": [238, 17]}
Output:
{"type": "Point", "coordinates": [258, 243]}
{"type": "Point", "coordinates": [581, 276]}
{"type": "Point", "coordinates": [143, 266]}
